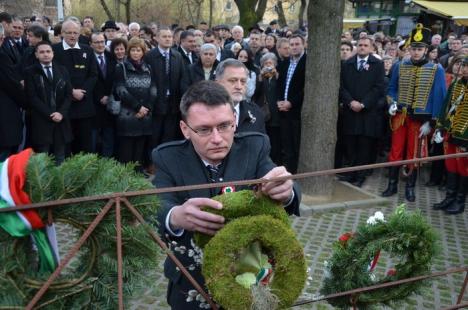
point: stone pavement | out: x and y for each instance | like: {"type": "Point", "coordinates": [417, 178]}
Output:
{"type": "Point", "coordinates": [319, 231]}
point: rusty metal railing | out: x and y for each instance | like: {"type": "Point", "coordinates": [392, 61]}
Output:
{"type": "Point", "coordinates": [118, 199]}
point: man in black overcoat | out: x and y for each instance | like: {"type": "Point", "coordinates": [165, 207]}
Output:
{"type": "Point", "coordinates": [169, 73]}
{"type": "Point", "coordinates": [290, 98]}
{"type": "Point", "coordinates": [211, 153]}
{"type": "Point", "coordinates": [48, 87]}
{"type": "Point", "coordinates": [104, 125]}
{"type": "Point", "coordinates": [11, 100]}
{"type": "Point", "coordinates": [81, 65]}
{"type": "Point", "coordinates": [361, 88]}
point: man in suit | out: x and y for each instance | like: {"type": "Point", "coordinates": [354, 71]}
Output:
{"type": "Point", "coordinates": [81, 65]}
{"type": "Point", "coordinates": [104, 125]}
{"type": "Point", "coordinates": [168, 70]}
{"type": "Point", "coordinates": [11, 100]}
{"type": "Point", "coordinates": [9, 46]}
{"type": "Point", "coordinates": [221, 53]}
{"type": "Point", "coordinates": [238, 36]}
{"type": "Point", "coordinates": [233, 75]}
{"type": "Point", "coordinates": [17, 35]}
{"type": "Point", "coordinates": [291, 94]}
{"type": "Point", "coordinates": [187, 48]}
{"type": "Point", "coordinates": [361, 87]}
{"type": "Point", "coordinates": [49, 89]}
{"type": "Point", "coordinates": [210, 153]}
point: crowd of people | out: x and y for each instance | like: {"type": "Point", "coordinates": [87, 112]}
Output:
{"type": "Point", "coordinates": [115, 89]}
{"type": "Point", "coordinates": [213, 105]}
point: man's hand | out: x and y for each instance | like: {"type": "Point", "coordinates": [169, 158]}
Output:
{"type": "Point", "coordinates": [284, 105]}
{"type": "Point", "coordinates": [78, 94]}
{"type": "Point", "coordinates": [438, 137]}
{"type": "Point", "coordinates": [278, 190]}
{"type": "Point", "coordinates": [189, 216]}
{"type": "Point", "coordinates": [355, 106]}
{"type": "Point", "coordinates": [56, 117]}
{"type": "Point", "coordinates": [104, 100]}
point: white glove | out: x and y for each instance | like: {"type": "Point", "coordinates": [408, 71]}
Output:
{"type": "Point", "coordinates": [438, 138]}
{"type": "Point", "coordinates": [424, 130]}
{"type": "Point", "coordinates": [392, 109]}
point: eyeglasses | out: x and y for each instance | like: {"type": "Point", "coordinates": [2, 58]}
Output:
{"type": "Point", "coordinates": [207, 131]}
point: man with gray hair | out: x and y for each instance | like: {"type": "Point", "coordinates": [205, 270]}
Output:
{"type": "Point", "coordinates": [238, 36]}
{"type": "Point", "coordinates": [81, 64]}
{"type": "Point", "coordinates": [233, 75]}
{"type": "Point", "coordinates": [134, 30]}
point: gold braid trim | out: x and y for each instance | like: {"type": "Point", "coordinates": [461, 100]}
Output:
{"type": "Point", "coordinates": [459, 120]}
{"type": "Point", "coordinates": [415, 84]}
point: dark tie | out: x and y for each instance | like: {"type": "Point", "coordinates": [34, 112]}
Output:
{"type": "Point", "coordinates": [214, 173]}
{"type": "Point", "coordinates": [361, 64]}
{"type": "Point", "coordinates": [166, 55]}
{"type": "Point", "coordinates": [102, 65]}
{"type": "Point", "coordinates": [49, 73]}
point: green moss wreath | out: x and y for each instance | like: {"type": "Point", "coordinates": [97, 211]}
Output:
{"type": "Point", "coordinates": [243, 203]}
{"type": "Point", "coordinates": [221, 255]}
{"type": "Point", "coordinates": [406, 236]}
{"type": "Point", "coordinates": [94, 282]}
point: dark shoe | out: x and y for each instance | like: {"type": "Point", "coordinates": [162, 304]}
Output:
{"type": "Point", "coordinates": [409, 189]}
{"type": "Point", "coordinates": [458, 206]}
{"type": "Point", "coordinates": [409, 193]}
{"type": "Point", "coordinates": [359, 182]}
{"type": "Point", "coordinates": [392, 188]}
{"type": "Point", "coordinates": [346, 178]}
{"type": "Point", "coordinates": [450, 194]}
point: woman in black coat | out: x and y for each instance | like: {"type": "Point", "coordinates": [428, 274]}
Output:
{"type": "Point", "coordinates": [137, 92]}
{"type": "Point", "coordinates": [205, 67]}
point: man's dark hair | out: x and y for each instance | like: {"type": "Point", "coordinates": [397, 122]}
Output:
{"type": "Point", "coordinates": [165, 28]}
{"type": "Point", "coordinates": [203, 23]}
{"type": "Point", "coordinates": [90, 17]}
{"type": "Point", "coordinates": [46, 18]}
{"type": "Point", "coordinates": [58, 29]}
{"type": "Point", "coordinates": [296, 35]}
{"type": "Point", "coordinates": [147, 30]}
{"type": "Point", "coordinates": [5, 17]}
{"type": "Point", "coordinates": [42, 43]}
{"type": "Point", "coordinates": [210, 33]}
{"type": "Point", "coordinates": [347, 43]}
{"type": "Point", "coordinates": [190, 27]}
{"type": "Point", "coordinates": [208, 93]}
{"type": "Point", "coordinates": [185, 34]}
{"type": "Point", "coordinates": [39, 32]}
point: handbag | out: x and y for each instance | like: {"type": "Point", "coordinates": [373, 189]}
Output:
{"type": "Point", "coordinates": [113, 105]}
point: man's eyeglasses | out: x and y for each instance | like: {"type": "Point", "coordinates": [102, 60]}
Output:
{"type": "Point", "coordinates": [207, 131]}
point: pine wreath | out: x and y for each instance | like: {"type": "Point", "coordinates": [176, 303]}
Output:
{"type": "Point", "coordinates": [255, 260]}
{"type": "Point", "coordinates": [409, 240]}
{"type": "Point", "coordinates": [93, 284]}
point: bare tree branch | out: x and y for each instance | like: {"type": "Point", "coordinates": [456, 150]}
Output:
{"type": "Point", "coordinates": [106, 9]}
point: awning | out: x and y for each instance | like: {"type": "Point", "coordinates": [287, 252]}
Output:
{"type": "Point", "coordinates": [353, 23]}
{"type": "Point", "coordinates": [457, 11]}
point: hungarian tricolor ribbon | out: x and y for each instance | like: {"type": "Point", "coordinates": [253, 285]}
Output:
{"type": "Point", "coordinates": [26, 222]}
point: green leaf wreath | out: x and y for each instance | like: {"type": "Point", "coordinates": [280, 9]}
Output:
{"type": "Point", "coordinates": [94, 281]}
{"type": "Point", "coordinates": [406, 236]}
{"type": "Point", "coordinates": [255, 260]}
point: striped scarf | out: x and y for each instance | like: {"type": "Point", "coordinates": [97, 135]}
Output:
{"type": "Point", "coordinates": [26, 222]}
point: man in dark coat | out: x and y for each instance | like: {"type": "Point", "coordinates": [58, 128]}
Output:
{"type": "Point", "coordinates": [169, 72]}
{"type": "Point", "coordinates": [9, 47]}
{"type": "Point", "coordinates": [104, 125]}
{"type": "Point", "coordinates": [214, 38]}
{"type": "Point", "coordinates": [81, 65]}
{"type": "Point", "coordinates": [210, 153]}
{"type": "Point", "coordinates": [290, 97]}
{"type": "Point", "coordinates": [361, 87]}
{"type": "Point", "coordinates": [233, 75]}
{"type": "Point", "coordinates": [48, 86]}
{"type": "Point", "coordinates": [187, 48]}
{"type": "Point", "coordinates": [11, 99]}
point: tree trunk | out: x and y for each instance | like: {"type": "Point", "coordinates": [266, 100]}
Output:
{"type": "Point", "coordinates": [301, 12]}
{"type": "Point", "coordinates": [106, 9]}
{"type": "Point", "coordinates": [261, 8]}
{"type": "Point", "coordinates": [128, 11]}
{"type": "Point", "coordinates": [210, 23]}
{"type": "Point", "coordinates": [281, 17]}
{"type": "Point", "coordinates": [247, 16]}
{"type": "Point", "coordinates": [320, 109]}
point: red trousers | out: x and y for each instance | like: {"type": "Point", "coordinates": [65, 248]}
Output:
{"type": "Point", "coordinates": [405, 138]}
{"type": "Point", "coordinates": [455, 165]}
